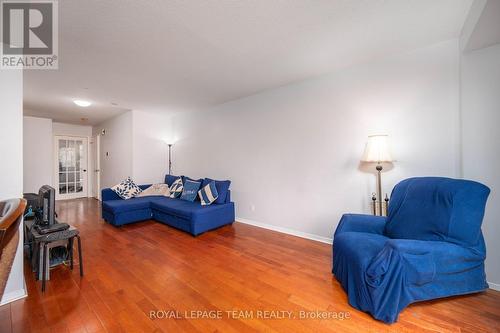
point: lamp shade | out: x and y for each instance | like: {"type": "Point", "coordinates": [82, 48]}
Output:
{"type": "Point", "coordinates": [377, 149]}
{"type": "Point", "coordinates": [169, 142]}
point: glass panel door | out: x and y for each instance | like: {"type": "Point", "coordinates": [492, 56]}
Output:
{"type": "Point", "coordinates": [71, 167]}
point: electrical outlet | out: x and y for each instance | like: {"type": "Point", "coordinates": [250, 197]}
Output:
{"type": "Point", "coordinates": [252, 207]}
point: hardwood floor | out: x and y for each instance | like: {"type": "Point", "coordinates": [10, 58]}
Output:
{"type": "Point", "coordinates": [149, 267]}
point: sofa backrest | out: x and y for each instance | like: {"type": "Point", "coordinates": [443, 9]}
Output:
{"type": "Point", "coordinates": [170, 179]}
{"type": "Point", "coordinates": [437, 209]}
{"type": "Point", "coordinates": [109, 194]}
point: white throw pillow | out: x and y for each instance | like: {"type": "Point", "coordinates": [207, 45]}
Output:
{"type": "Point", "coordinates": [127, 189]}
{"type": "Point", "coordinates": [156, 189]}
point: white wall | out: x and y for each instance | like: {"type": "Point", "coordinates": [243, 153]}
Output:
{"type": "Point", "coordinates": [135, 142]}
{"type": "Point", "coordinates": [293, 153]}
{"type": "Point", "coordinates": [37, 153]}
{"type": "Point", "coordinates": [11, 167]}
{"type": "Point", "coordinates": [116, 149]}
{"type": "Point", "coordinates": [150, 152]}
{"type": "Point", "coordinates": [481, 139]}
{"type": "Point", "coordinates": [71, 130]}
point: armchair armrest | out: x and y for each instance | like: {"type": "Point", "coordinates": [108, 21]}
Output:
{"type": "Point", "coordinates": [361, 223]}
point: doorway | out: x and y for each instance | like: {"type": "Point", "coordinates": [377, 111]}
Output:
{"type": "Point", "coordinates": [71, 167]}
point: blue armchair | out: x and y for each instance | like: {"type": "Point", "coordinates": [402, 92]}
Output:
{"type": "Point", "coordinates": [430, 246]}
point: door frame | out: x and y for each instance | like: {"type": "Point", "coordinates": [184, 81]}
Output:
{"type": "Point", "coordinates": [83, 194]}
{"type": "Point", "coordinates": [96, 167]}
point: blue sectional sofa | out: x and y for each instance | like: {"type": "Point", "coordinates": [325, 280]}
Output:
{"type": "Point", "coordinates": [188, 216]}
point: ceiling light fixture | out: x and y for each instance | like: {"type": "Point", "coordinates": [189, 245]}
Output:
{"type": "Point", "coordinates": [82, 103]}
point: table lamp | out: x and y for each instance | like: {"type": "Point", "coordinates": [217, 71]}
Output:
{"type": "Point", "coordinates": [377, 150]}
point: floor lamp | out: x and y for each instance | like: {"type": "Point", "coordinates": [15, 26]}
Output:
{"type": "Point", "coordinates": [377, 150]}
{"type": "Point", "coordinates": [170, 158]}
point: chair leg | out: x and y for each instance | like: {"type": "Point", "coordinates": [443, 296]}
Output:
{"type": "Point", "coordinates": [70, 245]}
{"type": "Point", "coordinates": [80, 254]}
{"type": "Point", "coordinates": [44, 266]}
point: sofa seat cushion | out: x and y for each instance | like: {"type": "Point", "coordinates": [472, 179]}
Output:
{"type": "Point", "coordinates": [120, 206]}
{"type": "Point", "coordinates": [183, 209]}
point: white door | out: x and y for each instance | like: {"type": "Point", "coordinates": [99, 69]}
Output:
{"type": "Point", "coordinates": [71, 167]}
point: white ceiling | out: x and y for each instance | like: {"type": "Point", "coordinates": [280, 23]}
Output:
{"type": "Point", "coordinates": [171, 56]}
{"type": "Point", "coordinates": [482, 27]}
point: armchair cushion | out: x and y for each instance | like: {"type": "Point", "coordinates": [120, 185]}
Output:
{"type": "Point", "coordinates": [406, 271]}
{"type": "Point", "coordinates": [383, 276]}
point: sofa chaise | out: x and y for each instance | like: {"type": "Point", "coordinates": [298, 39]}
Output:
{"type": "Point", "coordinates": [188, 216]}
{"type": "Point", "coordinates": [430, 246]}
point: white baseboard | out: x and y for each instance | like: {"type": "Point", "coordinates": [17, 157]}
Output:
{"type": "Point", "coordinates": [286, 230]}
{"type": "Point", "coordinates": [14, 295]}
{"type": "Point", "coordinates": [494, 286]}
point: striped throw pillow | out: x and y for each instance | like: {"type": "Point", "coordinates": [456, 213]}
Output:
{"type": "Point", "coordinates": [208, 194]}
{"type": "Point", "coordinates": [176, 188]}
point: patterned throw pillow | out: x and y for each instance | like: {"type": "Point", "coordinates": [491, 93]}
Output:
{"type": "Point", "coordinates": [127, 189]}
{"type": "Point", "coordinates": [176, 188]}
{"type": "Point", "coordinates": [208, 194]}
{"type": "Point", "coordinates": [155, 189]}
{"type": "Point", "coordinates": [190, 190]}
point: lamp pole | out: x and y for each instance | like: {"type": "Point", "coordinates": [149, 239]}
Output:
{"type": "Point", "coordinates": [379, 194]}
{"type": "Point", "coordinates": [169, 158]}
